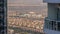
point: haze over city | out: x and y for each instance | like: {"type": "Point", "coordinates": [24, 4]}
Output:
{"type": "Point", "coordinates": [27, 2]}
{"type": "Point", "coordinates": [26, 14]}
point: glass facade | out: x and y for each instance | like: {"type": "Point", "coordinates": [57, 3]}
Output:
{"type": "Point", "coordinates": [3, 14]}
{"type": "Point", "coordinates": [58, 26]}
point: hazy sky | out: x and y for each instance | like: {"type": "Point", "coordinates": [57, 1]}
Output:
{"type": "Point", "coordinates": [25, 2]}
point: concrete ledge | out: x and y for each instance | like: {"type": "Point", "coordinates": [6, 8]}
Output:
{"type": "Point", "coordinates": [47, 31]}
{"type": "Point", "coordinates": [52, 1]}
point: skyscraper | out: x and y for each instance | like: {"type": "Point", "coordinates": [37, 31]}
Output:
{"type": "Point", "coordinates": [3, 16]}
{"type": "Point", "coordinates": [52, 21]}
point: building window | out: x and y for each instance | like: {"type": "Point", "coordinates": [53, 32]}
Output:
{"type": "Point", "coordinates": [54, 25]}
{"type": "Point", "coordinates": [46, 24]}
{"type": "Point", "coordinates": [51, 25]}
{"type": "Point", "coordinates": [58, 26]}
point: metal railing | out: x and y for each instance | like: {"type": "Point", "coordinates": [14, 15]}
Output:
{"type": "Point", "coordinates": [52, 24]}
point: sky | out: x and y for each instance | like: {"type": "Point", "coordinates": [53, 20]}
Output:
{"type": "Point", "coordinates": [25, 2]}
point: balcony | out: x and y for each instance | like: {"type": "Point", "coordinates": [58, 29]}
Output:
{"type": "Point", "coordinates": [52, 24]}
{"type": "Point", "coordinates": [52, 1]}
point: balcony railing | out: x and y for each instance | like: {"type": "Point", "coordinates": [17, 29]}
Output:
{"type": "Point", "coordinates": [52, 24]}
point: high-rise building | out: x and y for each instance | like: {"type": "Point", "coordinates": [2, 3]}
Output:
{"type": "Point", "coordinates": [3, 16]}
{"type": "Point", "coordinates": [52, 21]}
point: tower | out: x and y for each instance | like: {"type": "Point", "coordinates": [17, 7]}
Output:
{"type": "Point", "coordinates": [3, 16]}
{"type": "Point", "coordinates": [52, 21]}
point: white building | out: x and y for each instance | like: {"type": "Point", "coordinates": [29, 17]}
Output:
{"type": "Point", "coordinates": [52, 21]}
{"type": "Point", "coordinates": [10, 31]}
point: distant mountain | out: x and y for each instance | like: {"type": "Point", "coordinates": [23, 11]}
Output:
{"type": "Point", "coordinates": [27, 5]}
{"type": "Point", "coordinates": [25, 2]}
{"type": "Point", "coordinates": [27, 8]}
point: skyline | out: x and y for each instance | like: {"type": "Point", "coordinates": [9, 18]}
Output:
{"type": "Point", "coordinates": [26, 3]}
